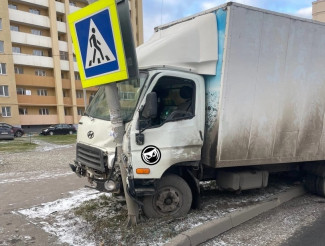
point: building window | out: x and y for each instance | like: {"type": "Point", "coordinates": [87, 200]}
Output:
{"type": "Point", "coordinates": [23, 111]}
{"type": "Point", "coordinates": [14, 28]}
{"type": "Point", "coordinates": [4, 92]}
{"type": "Point", "coordinates": [21, 91]}
{"type": "Point", "coordinates": [42, 92]}
{"type": "Point", "coordinates": [18, 70]}
{"type": "Point", "coordinates": [72, 4]}
{"type": "Point", "coordinates": [12, 6]}
{"type": "Point", "coordinates": [3, 69]}
{"type": "Point", "coordinates": [64, 55]}
{"type": "Point", "coordinates": [74, 58]}
{"type": "Point", "coordinates": [44, 111]}
{"type": "Point", "coordinates": [79, 94]}
{"type": "Point", "coordinates": [40, 72]}
{"type": "Point", "coordinates": [0, 23]}
{"type": "Point", "coordinates": [34, 11]}
{"type": "Point", "coordinates": [127, 95]}
{"type": "Point", "coordinates": [36, 32]}
{"type": "Point", "coordinates": [6, 112]}
{"type": "Point", "coordinates": [66, 111]}
{"type": "Point", "coordinates": [38, 52]}
{"type": "Point", "coordinates": [16, 50]}
{"type": "Point", "coordinates": [1, 46]}
{"type": "Point", "coordinates": [80, 111]}
{"type": "Point", "coordinates": [77, 76]}
{"type": "Point", "coordinates": [65, 93]}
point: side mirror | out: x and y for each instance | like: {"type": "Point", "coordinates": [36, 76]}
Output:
{"type": "Point", "coordinates": [149, 110]}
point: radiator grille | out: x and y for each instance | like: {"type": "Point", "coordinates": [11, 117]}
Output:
{"type": "Point", "coordinates": [91, 157]}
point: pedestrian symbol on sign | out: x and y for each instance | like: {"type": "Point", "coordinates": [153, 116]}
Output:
{"type": "Point", "coordinates": [98, 52]}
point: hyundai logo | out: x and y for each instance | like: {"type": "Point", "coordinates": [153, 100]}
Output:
{"type": "Point", "coordinates": [90, 134]}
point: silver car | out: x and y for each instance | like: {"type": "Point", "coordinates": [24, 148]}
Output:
{"type": "Point", "coordinates": [6, 132]}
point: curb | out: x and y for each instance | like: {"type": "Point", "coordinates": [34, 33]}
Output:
{"type": "Point", "coordinates": [218, 226]}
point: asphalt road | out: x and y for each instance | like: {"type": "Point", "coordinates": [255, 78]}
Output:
{"type": "Point", "coordinates": [28, 179]}
{"type": "Point", "coordinates": [310, 235]}
{"type": "Point", "coordinates": [300, 221]}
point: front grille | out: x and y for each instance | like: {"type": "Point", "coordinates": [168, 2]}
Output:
{"type": "Point", "coordinates": [91, 157]}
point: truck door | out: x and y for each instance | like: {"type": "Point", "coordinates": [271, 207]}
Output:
{"type": "Point", "coordinates": [175, 135]}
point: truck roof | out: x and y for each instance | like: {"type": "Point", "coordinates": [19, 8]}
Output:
{"type": "Point", "coordinates": [161, 27]}
{"type": "Point", "coordinates": [192, 43]}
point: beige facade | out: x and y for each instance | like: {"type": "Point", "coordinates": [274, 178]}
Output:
{"type": "Point", "coordinates": [39, 79]}
{"type": "Point", "coordinates": [319, 10]}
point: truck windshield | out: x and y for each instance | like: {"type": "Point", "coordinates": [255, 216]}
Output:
{"type": "Point", "coordinates": [129, 91]}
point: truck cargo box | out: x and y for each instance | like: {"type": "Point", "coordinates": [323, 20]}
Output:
{"type": "Point", "coordinates": [265, 103]}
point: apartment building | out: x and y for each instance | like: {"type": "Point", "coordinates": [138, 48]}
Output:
{"type": "Point", "coordinates": [39, 80]}
{"type": "Point", "coordinates": [319, 10]}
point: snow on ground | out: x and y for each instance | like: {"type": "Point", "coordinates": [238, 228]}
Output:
{"type": "Point", "coordinates": [31, 176]}
{"type": "Point", "coordinates": [56, 217]}
{"type": "Point", "coordinates": [45, 146]}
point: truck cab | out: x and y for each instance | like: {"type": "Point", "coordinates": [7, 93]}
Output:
{"type": "Point", "coordinates": [164, 130]}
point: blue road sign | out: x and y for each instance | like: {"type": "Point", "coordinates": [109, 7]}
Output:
{"type": "Point", "coordinates": [97, 45]}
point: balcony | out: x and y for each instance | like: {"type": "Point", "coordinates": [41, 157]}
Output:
{"type": "Point", "coordinates": [75, 66]}
{"type": "Point", "coordinates": [68, 119]}
{"type": "Point", "coordinates": [30, 39]}
{"type": "Point", "coordinates": [63, 46]}
{"type": "Point", "coordinates": [64, 65]}
{"type": "Point", "coordinates": [35, 61]}
{"type": "Point", "coordinates": [62, 27]}
{"type": "Point", "coordinates": [33, 80]}
{"type": "Point", "coordinates": [29, 19]}
{"type": "Point", "coordinates": [67, 101]}
{"type": "Point", "coordinates": [79, 86]}
{"type": "Point", "coordinates": [60, 7]}
{"type": "Point", "coordinates": [73, 9]}
{"type": "Point", "coordinates": [40, 3]}
{"type": "Point", "coordinates": [80, 102]}
{"type": "Point", "coordinates": [37, 100]}
{"type": "Point", "coordinates": [38, 119]}
{"type": "Point", "coordinates": [66, 84]}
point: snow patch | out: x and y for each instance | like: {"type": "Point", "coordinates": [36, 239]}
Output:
{"type": "Point", "coordinates": [44, 146]}
{"type": "Point", "coordinates": [57, 219]}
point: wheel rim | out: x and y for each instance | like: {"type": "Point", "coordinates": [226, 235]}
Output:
{"type": "Point", "coordinates": [70, 132]}
{"type": "Point", "coordinates": [18, 134]}
{"type": "Point", "coordinates": [51, 133]}
{"type": "Point", "coordinates": [168, 201]}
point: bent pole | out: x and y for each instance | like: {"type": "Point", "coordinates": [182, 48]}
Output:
{"type": "Point", "coordinates": [112, 97]}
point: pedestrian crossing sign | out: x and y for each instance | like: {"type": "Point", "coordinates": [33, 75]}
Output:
{"type": "Point", "coordinates": [98, 44]}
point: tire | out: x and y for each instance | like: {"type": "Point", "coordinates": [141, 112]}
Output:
{"type": "Point", "coordinates": [310, 183]}
{"type": "Point", "coordinates": [172, 199]}
{"type": "Point", "coordinates": [51, 133]}
{"type": "Point", "coordinates": [18, 134]}
{"type": "Point", "coordinates": [70, 132]}
{"type": "Point", "coordinates": [320, 186]}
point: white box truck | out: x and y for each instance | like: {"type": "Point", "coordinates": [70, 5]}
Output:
{"type": "Point", "coordinates": [230, 94]}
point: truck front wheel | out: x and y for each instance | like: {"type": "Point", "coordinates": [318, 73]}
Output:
{"type": "Point", "coordinates": [173, 198]}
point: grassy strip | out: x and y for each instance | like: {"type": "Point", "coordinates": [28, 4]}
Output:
{"type": "Point", "coordinates": [58, 139]}
{"type": "Point", "coordinates": [17, 145]}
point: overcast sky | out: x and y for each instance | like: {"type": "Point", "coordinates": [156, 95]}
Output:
{"type": "Point", "coordinates": [157, 12]}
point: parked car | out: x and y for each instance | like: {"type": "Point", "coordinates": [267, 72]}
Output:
{"type": "Point", "coordinates": [18, 132]}
{"type": "Point", "coordinates": [6, 132]}
{"type": "Point", "coordinates": [59, 129]}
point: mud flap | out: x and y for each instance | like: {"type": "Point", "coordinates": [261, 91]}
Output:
{"type": "Point", "coordinates": [194, 184]}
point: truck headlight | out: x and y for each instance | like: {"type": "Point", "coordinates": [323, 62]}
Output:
{"type": "Point", "coordinates": [110, 161]}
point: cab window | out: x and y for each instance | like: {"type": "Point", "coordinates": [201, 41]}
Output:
{"type": "Point", "coordinates": [176, 100]}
